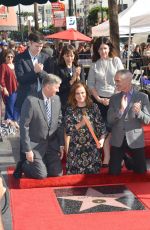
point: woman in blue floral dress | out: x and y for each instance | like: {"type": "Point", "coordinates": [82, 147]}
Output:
{"type": "Point", "coordinates": [83, 157]}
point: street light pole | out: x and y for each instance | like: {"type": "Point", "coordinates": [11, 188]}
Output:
{"type": "Point", "coordinates": [70, 7]}
{"type": "Point", "coordinates": [75, 7]}
{"type": "Point", "coordinates": [19, 19]}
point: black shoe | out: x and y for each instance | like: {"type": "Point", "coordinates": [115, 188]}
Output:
{"type": "Point", "coordinates": [128, 162]}
{"type": "Point", "coordinates": [18, 171]}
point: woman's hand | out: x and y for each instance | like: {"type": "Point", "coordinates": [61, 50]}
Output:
{"type": "Point", "coordinates": [76, 75]}
{"type": "Point", "coordinates": [62, 151]}
{"type": "Point", "coordinates": [5, 91]}
{"type": "Point", "coordinates": [104, 101]}
{"type": "Point", "coordinates": [78, 72]}
{"type": "Point", "coordinates": [101, 142]}
{"type": "Point", "coordinates": [1, 88]}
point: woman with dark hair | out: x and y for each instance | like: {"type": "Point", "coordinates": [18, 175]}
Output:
{"type": "Point", "coordinates": [83, 157]}
{"type": "Point", "coordinates": [137, 61]}
{"type": "Point", "coordinates": [101, 81]}
{"type": "Point", "coordinates": [69, 71]}
{"type": "Point", "coordinates": [9, 85]}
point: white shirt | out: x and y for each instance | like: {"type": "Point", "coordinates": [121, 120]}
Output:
{"type": "Point", "coordinates": [34, 61]}
{"type": "Point", "coordinates": [45, 99]}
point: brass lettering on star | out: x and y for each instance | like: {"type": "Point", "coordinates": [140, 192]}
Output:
{"type": "Point", "coordinates": [99, 201]}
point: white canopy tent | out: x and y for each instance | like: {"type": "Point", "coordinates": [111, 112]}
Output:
{"type": "Point", "coordinates": [138, 24]}
{"type": "Point", "coordinates": [139, 11]}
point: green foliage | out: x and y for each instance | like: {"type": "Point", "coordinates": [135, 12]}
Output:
{"type": "Point", "coordinates": [26, 14]}
{"type": "Point", "coordinates": [47, 30]}
{"type": "Point", "coordinates": [93, 15]}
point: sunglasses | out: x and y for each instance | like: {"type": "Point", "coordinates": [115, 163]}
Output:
{"type": "Point", "coordinates": [10, 57]}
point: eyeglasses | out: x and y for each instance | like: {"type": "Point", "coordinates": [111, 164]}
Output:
{"type": "Point", "coordinates": [10, 57]}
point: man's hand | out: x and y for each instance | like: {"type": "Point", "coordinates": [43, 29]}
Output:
{"type": "Point", "coordinates": [124, 103]}
{"type": "Point", "coordinates": [30, 156]}
{"type": "Point", "coordinates": [38, 67]}
{"type": "Point", "coordinates": [136, 107]}
{"type": "Point", "coordinates": [62, 150]}
{"type": "Point", "coordinates": [2, 189]}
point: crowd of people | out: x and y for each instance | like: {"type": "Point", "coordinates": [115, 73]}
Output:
{"type": "Point", "coordinates": [139, 56]}
{"type": "Point", "coordinates": [61, 114]}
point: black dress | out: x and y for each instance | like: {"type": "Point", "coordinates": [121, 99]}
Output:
{"type": "Point", "coordinates": [66, 74]}
{"type": "Point", "coordinates": [83, 156]}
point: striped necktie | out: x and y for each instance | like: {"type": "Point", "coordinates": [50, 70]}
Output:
{"type": "Point", "coordinates": [48, 110]}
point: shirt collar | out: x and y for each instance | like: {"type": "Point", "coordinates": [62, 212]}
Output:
{"type": "Point", "coordinates": [45, 98]}
{"type": "Point", "coordinates": [130, 92]}
{"type": "Point", "coordinates": [33, 57]}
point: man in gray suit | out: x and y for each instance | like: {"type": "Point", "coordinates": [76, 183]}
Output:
{"type": "Point", "coordinates": [128, 111]}
{"type": "Point", "coordinates": [41, 131]}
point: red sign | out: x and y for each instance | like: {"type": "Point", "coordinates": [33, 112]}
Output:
{"type": "Point", "coordinates": [3, 9]}
{"type": "Point", "coordinates": [58, 10]}
{"type": "Point", "coordinates": [58, 6]}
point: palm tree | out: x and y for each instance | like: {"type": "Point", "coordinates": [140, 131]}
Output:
{"type": "Point", "coordinates": [114, 25]}
{"type": "Point", "coordinates": [36, 16]}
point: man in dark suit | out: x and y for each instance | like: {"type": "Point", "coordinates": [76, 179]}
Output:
{"type": "Point", "coordinates": [31, 67]}
{"type": "Point", "coordinates": [128, 110]}
{"type": "Point", "coordinates": [41, 131]}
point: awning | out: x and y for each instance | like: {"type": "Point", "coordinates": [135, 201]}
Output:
{"type": "Point", "coordinates": [23, 2]}
{"type": "Point", "coordinates": [70, 34]}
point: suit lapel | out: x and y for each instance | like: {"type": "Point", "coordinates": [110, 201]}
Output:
{"type": "Point", "coordinates": [28, 59]}
{"type": "Point", "coordinates": [129, 107]}
{"type": "Point", "coordinates": [40, 58]}
{"type": "Point", "coordinates": [42, 106]}
{"type": "Point", "coordinates": [52, 110]}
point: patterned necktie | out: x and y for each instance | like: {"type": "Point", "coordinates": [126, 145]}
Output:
{"type": "Point", "coordinates": [48, 110]}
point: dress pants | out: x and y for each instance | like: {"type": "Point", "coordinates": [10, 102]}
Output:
{"type": "Point", "coordinates": [49, 165]}
{"type": "Point", "coordinates": [117, 154]}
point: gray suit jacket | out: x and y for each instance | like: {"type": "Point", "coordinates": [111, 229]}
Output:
{"type": "Point", "coordinates": [130, 124]}
{"type": "Point", "coordinates": [35, 133]}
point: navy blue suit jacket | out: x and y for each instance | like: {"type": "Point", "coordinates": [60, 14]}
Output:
{"type": "Point", "coordinates": [26, 76]}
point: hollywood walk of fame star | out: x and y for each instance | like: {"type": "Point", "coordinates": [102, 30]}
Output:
{"type": "Point", "coordinates": [94, 198]}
